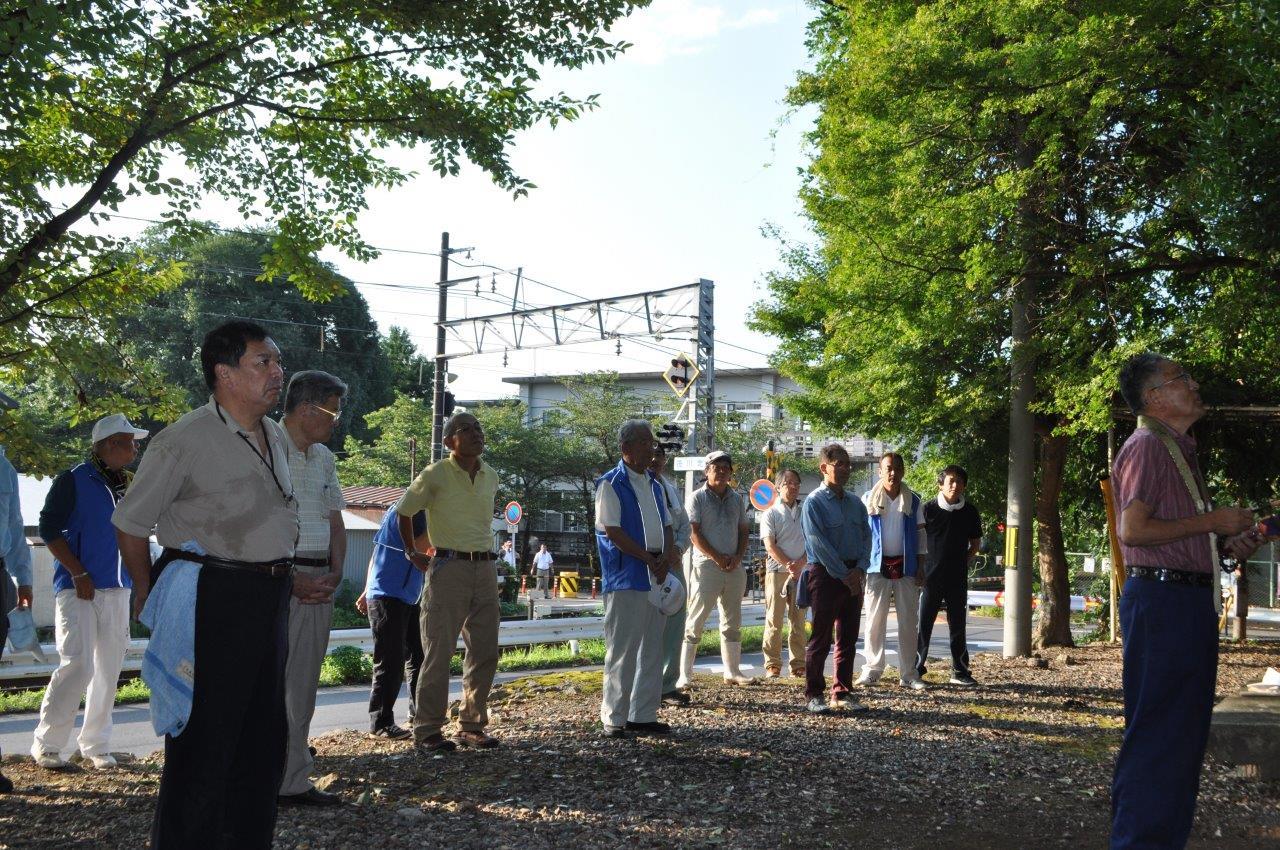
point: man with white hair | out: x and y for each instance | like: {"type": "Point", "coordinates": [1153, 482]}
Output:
{"type": "Point", "coordinates": [637, 548]}
{"type": "Point", "coordinates": [91, 596]}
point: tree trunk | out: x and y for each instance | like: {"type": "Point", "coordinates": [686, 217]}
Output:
{"type": "Point", "coordinates": [1054, 628]}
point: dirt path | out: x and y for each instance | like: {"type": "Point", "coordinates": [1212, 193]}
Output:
{"type": "Point", "coordinates": [1024, 761]}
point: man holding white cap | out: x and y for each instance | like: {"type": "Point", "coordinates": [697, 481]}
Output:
{"type": "Point", "coordinates": [91, 596]}
{"type": "Point", "coordinates": [637, 548]}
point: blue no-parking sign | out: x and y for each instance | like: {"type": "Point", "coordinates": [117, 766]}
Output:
{"type": "Point", "coordinates": [512, 513]}
{"type": "Point", "coordinates": [763, 494]}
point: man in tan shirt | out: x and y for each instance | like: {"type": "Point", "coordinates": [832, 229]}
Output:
{"type": "Point", "coordinates": [217, 482]}
{"type": "Point", "coordinates": [461, 592]}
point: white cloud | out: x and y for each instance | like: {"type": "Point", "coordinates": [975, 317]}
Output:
{"type": "Point", "coordinates": [682, 28]}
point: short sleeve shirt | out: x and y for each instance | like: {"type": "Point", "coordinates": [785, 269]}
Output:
{"type": "Point", "coordinates": [782, 524]}
{"type": "Point", "coordinates": [543, 561]}
{"type": "Point", "coordinates": [459, 509]}
{"type": "Point", "coordinates": [315, 483]}
{"type": "Point", "coordinates": [1144, 471]}
{"type": "Point", "coordinates": [201, 481]}
{"type": "Point", "coordinates": [609, 512]}
{"type": "Point", "coordinates": [719, 518]}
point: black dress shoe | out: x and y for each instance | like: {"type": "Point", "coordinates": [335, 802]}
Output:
{"type": "Point", "coordinates": [656, 727]}
{"type": "Point", "coordinates": [310, 797]}
{"type": "Point", "coordinates": [676, 697]}
{"type": "Point", "coordinates": [6, 784]}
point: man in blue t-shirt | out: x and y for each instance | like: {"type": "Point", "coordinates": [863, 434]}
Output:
{"type": "Point", "coordinates": [390, 600]}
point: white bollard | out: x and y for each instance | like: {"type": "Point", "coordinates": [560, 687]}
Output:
{"type": "Point", "coordinates": [573, 647]}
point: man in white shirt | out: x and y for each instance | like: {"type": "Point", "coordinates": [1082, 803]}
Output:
{"type": "Point", "coordinates": [898, 549]}
{"type": "Point", "coordinates": [783, 538]}
{"type": "Point", "coordinates": [542, 569]}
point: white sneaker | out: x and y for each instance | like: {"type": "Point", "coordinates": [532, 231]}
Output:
{"type": "Point", "coordinates": [913, 684]}
{"type": "Point", "coordinates": [866, 677]}
{"type": "Point", "coordinates": [105, 761]}
{"type": "Point", "coordinates": [50, 761]}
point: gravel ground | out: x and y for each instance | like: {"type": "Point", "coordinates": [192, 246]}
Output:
{"type": "Point", "coordinates": [1023, 761]}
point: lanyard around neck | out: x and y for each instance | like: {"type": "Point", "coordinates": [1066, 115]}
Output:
{"type": "Point", "coordinates": [268, 460]}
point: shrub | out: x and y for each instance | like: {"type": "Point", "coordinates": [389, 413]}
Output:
{"type": "Point", "coordinates": [346, 665]}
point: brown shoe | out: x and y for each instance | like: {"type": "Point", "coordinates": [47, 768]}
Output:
{"type": "Point", "coordinates": [476, 740]}
{"type": "Point", "coordinates": [436, 743]}
{"type": "Point", "coordinates": [773, 673]}
{"type": "Point", "coordinates": [797, 673]}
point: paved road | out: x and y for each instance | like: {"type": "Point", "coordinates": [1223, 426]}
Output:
{"type": "Point", "coordinates": [347, 707]}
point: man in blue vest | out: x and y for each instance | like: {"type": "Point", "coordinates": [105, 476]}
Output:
{"type": "Point", "coordinates": [898, 549]}
{"type": "Point", "coordinates": [637, 547]}
{"type": "Point", "coordinates": [390, 601]}
{"type": "Point", "coordinates": [91, 596]}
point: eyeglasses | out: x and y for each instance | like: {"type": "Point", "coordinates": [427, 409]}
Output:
{"type": "Point", "coordinates": [336, 414]}
{"type": "Point", "coordinates": [1181, 376]}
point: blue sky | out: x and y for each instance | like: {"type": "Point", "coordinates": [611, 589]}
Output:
{"type": "Point", "coordinates": [668, 181]}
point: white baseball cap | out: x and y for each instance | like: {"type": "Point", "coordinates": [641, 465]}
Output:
{"type": "Point", "coordinates": [116, 423]}
{"type": "Point", "coordinates": [668, 596]}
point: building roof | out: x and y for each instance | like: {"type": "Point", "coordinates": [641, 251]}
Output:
{"type": "Point", "coordinates": [372, 497]}
{"type": "Point", "coordinates": [636, 376]}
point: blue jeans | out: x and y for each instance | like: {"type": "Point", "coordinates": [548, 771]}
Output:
{"type": "Point", "coordinates": [1170, 669]}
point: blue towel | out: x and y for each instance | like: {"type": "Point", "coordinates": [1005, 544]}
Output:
{"type": "Point", "coordinates": [802, 588]}
{"type": "Point", "coordinates": [169, 664]}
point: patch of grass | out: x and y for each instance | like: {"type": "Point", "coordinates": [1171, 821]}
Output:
{"type": "Point", "coordinates": [1096, 739]}
{"type": "Point", "coordinates": [572, 682]}
{"type": "Point", "coordinates": [988, 611]}
{"type": "Point", "coordinates": [16, 702]}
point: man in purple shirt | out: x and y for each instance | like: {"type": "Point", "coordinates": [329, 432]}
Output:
{"type": "Point", "coordinates": [1167, 535]}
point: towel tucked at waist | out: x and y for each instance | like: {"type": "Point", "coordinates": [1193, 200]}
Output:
{"type": "Point", "coordinates": [169, 664]}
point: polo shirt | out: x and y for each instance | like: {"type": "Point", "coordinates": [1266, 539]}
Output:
{"type": "Point", "coordinates": [719, 518]}
{"type": "Point", "coordinates": [950, 528]}
{"type": "Point", "coordinates": [459, 509]}
{"type": "Point", "coordinates": [199, 480]}
{"type": "Point", "coordinates": [782, 525]}
{"type": "Point", "coordinates": [315, 484]}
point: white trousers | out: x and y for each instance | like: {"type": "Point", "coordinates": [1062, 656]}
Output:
{"type": "Point", "coordinates": [632, 658]}
{"type": "Point", "coordinates": [92, 636]}
{"type": "Point", "coordinates": [906, 600]}
{"type": "Point", "coordinates": [308, 644]}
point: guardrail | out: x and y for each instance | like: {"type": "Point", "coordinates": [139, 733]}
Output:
{"type": "Point", "coordinates": [23, 665]}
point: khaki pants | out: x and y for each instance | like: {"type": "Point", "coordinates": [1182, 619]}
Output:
{"type": "Point", "coordinates": [308, 644]}
{"type": "Point", "coordinates": [906, 596]}
{"type": "Point", "coordinates": [776, 609]}
{"type": "Point", "coordinates": [710, 585]}
{"type": "Point", "coordinates": [460, 597]}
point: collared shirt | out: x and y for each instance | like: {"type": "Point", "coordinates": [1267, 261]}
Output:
{"type": "Point", "coordinates": [13, 538]}
{"type": "Point", "coordinates": [680, 529]}
{"type": "Point", "coordinates": [609, 512]}
{"type": "Point", "coordinates": [836, 532]}
{"type": "Point", "coordinates": [1145, 471]}
{"type": "Point", "coordinates": [719, 519]}
{"type": "Point", "coordinates": [543, 561]}
{"type": "Point", "coordinates": [199, 480]}
{"type": "Point", "coordinates": [459, 509]}
{"type": "Point", "coordinates": [782, 525]}
{"type": "Point", "coordinates": [891, 524]}
{"type": "Point", "coordinates": [315, 484]}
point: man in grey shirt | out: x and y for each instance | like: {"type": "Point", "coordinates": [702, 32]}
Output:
{"type": "Point", "coordinates": [718, 529]}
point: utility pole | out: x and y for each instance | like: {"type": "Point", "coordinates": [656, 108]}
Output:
{"type": "Point", "coordinates": [437, 387]}
{"type": "Point", "coordinates": [703, 412]}
{"type": "Point", "coordinates": [1021, 493]}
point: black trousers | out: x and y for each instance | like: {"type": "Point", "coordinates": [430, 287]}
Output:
{"type": "Point", "coordinates": [397, 656]}
{"type": "Point", "coordinates": [222, 773]}
{"type": "Point", "coordinates": [955, 596]}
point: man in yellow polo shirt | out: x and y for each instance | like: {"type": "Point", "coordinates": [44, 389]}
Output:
{"type": "Point", "coordinates": [461, 592]}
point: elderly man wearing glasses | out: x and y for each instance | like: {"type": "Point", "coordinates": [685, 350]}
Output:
{"type": "Point", "coordinates": [718, 523]}
{"type": "Point", "coordinates": [313, 406]}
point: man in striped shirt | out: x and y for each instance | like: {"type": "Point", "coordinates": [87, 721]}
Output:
{"type": "Point", "coordinates": [313, 406]}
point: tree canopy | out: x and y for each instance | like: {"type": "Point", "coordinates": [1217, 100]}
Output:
{"type": "Point", "coordinates": [284, 109]}
{"type": "Point", "coordinates": [968, 153]}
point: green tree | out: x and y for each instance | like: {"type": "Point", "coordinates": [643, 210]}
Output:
{"type": "Point", "coordinates": [411, 373]}
{"type": "Point", "coordinates": [970, 154]}
{"type": "Point", "coordinates": [280, 108]}
{"type": "Point", "coordinates": [389, 459]}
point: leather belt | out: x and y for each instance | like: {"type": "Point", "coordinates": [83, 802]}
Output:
{"type": "Point", "coordinates": [280, 568]}
{"type": "Point", "coordinates": [1171, 576]}
{"type": "Point", "coordinates": [454, 554]}
{"type": "Point", "coordinates": [311, 562]}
